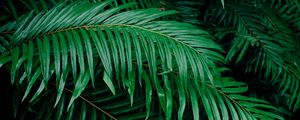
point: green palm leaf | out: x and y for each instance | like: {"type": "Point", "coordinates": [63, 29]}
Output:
{"type": "Point", "coordinates": [111, 45]}
{"type": "Point", "coordinates": [264, 40]}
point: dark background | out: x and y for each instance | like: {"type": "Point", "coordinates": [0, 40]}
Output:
{"type": "Point", "coordinates": [6, 92]}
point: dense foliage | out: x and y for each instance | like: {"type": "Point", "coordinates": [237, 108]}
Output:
{"type": "Point", "coordinates": [151, 59]}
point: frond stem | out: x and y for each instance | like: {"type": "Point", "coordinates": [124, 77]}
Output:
{"type": "Point", "coordinates": [123, 25]}
{"type": "Point", "coordinates": [219, 91]}
{"type": "Point", "coordinates": [91, 103]}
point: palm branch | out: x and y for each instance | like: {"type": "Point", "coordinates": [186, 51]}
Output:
{"type": "Point", "coordinates": [90, 54]}
{"type": "Point", "coordinates": [265, 42]}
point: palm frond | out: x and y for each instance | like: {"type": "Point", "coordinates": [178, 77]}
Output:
{"type": "Point", "coordinates": [264, 39]}
{"type": "Point", "coordinates": [226, 101]}
{"type": "Point", "coordinates": [117, 42]}
{"type": "Point", "coordinates": [73, 45]}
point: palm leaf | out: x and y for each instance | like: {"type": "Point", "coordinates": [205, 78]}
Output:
{"type": "Point", "coordinates": [263, 39]}
{"type": "Point", "coordinates": [120, 46]}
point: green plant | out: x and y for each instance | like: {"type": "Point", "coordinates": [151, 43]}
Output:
{"type": "Point", "coordinates": [151, 59]}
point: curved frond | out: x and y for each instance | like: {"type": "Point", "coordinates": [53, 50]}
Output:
{"type": "Point", "coordinates": [110, 58]}
{"type": "Point", "coordinates": [263, 40]}
{"type": "Point", "coordinates": [80, 37]}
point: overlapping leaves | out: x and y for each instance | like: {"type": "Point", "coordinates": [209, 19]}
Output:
{"type": "Point", "coordinates": [264, 42]}
{"type": "Point", "coordinates": [72, 43]}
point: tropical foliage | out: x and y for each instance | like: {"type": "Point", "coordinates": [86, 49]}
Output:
{"type": "Point", "coordinates": [152, 59]}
